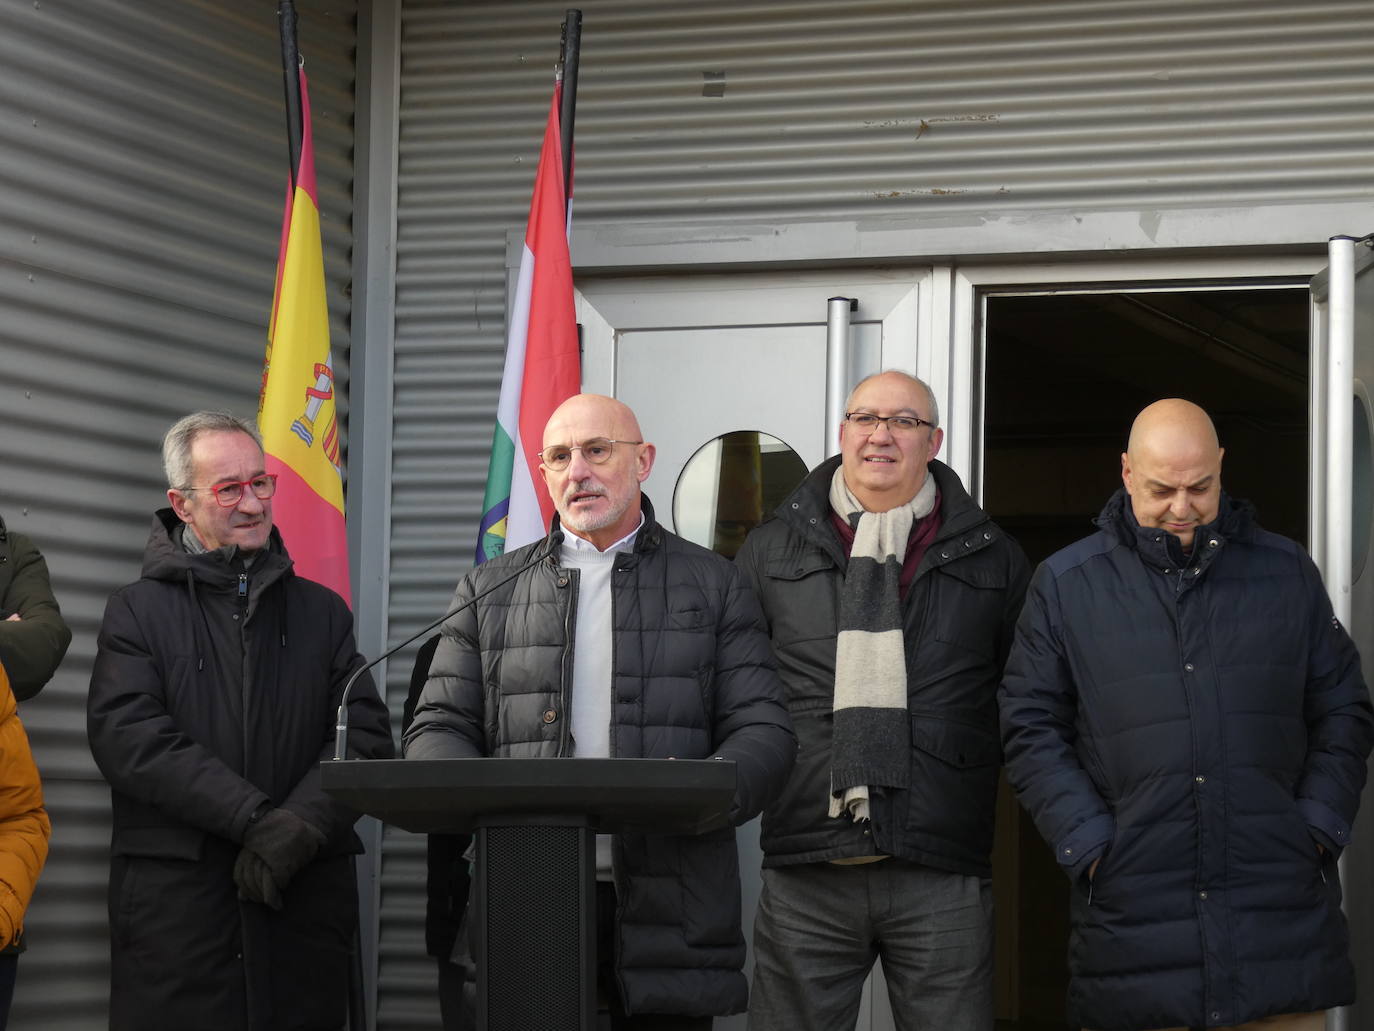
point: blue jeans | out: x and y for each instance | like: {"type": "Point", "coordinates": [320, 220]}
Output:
{"type": "Point", "coordinates": [820, 927]}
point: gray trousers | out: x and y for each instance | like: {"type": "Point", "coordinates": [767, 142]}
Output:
{"type": "Point", "coordinates": [821, 926]}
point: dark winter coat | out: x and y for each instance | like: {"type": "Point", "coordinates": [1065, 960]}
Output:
{"type": "Point", "coordinates": [693, 679]}
{"type": "Point", "coordinates": [957, 620]}
{"type": "Point", "coordinates": [1200, 724]}
{"type": "Point", "coordinates": [32, 646]}
{"type": "Point", "coordinates": [215, 690]}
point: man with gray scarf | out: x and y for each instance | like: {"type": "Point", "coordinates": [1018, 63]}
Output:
{"type": "Point", "coordinates": [891, 599]}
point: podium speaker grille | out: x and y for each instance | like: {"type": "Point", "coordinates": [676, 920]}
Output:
{"type": "Point", "coordinates": [536, 877]}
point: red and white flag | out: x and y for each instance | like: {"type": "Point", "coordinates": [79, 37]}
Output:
{"type": "Point", "coordinates": [543, 367]}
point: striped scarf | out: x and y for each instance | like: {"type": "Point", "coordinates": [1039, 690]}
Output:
{"type": "Point", "coordinates": [871, 743]}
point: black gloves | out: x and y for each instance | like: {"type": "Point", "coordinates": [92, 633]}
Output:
{"type": "Point", "coordinates": [275, 849]}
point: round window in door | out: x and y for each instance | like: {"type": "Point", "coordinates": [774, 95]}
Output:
{"type": "Point", "coordinates": [730, 484]}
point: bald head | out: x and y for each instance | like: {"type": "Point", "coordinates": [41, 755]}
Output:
{"type": "Point", "coordinates": [1172, 468]}
{"type": "Point", "coordinates": [616, 415]}
{"type": "Point", "coordinates": [1173, 424]}
{"type": "Point", "coordinates": [593, 461]}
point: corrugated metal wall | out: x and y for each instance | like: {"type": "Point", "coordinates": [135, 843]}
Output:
{"type": "Point", "coordinates": [896, 108]}
{"type": "Point", "coordinates": [142, 170]}
{"type": "Point", "coordinates": [765, 113]}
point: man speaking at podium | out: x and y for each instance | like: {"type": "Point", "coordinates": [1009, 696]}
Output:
{"type": "Point", "coordinates": [627, 641]}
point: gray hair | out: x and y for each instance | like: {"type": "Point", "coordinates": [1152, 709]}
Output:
{"type": "Point", "coordinates": [930, 394]}
{"type": "Point", "coordinates": [176, 445]}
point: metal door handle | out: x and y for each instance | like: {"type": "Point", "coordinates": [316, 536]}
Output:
{"type": "Point", "coordinates": [837, 370]}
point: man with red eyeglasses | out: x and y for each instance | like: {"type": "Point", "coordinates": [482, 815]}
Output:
{"type": "Point", "coordinates": [212, 701]}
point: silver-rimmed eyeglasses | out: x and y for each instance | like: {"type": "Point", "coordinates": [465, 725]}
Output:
{"type": "Point", "coordinates": [867, 422]}
{"type": "Point", "coordinates": [230, 492]}
{"type": "Point", "coordinates": [597, 451]}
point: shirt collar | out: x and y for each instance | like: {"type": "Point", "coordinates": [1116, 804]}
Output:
{"type": "Point", "coordinates": [572, 542]}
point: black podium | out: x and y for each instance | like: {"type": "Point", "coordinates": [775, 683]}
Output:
{"type": "Point", "coordinates": [535, 822]}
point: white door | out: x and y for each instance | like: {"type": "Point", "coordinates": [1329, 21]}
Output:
{"type": "Point", "coordinates": [697, 357]}
{"type": "Point", "coordinates": [1342, 497]}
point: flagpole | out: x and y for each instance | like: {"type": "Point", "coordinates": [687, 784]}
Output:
{"type": "Point", "coordinates": [297, 410]}
{"type": "Point", "coordinates": [543, 363]}
{"type": "Point", "coordinates": [290, 66]}
{"type": "Point", "coordinates": [569, 58]}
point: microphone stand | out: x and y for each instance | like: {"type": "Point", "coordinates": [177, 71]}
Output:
{"type": "Point", "coordinates": [341, 724]}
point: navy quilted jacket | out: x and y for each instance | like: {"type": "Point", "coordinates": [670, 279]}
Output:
{"type": "Point", "coordinates": [694, 678]}
{"type": "Point", "coordinates": [1201, 725]}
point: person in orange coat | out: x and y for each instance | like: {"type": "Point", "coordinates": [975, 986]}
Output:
{"type": "Point", "coordinates": [24, 832]}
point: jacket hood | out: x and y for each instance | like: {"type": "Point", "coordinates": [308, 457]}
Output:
{"type": "Point", "coordinates": [217, 572]}
{"type": "Point", "coordinates": [1235, 521]}
{"type": "Point", "coordinates": [164, 558]}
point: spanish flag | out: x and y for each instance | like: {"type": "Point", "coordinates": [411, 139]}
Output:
{"type": "Point", "coordinates": [296, 413]}
{"type": "Point", "coordinates": [543, 367]}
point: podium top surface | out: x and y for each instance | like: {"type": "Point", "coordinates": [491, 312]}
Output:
{"type": "Point", "coordinates": [657, 796]}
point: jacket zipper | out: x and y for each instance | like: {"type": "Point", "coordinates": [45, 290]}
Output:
{"type": "Point", "coordinates": [569, 626]}
{"type": "Point", "coordinates": [245, 675]}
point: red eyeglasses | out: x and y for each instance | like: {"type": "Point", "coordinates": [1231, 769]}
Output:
{"type": "Point", "coordinates": [230, 492]}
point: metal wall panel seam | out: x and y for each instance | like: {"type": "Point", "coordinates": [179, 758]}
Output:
{"type": "Point", "coordinates": [370, 497]}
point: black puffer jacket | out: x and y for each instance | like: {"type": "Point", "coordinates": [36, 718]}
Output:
{"type": "Point", "coordinates": [1200, 723]}
{"type": "Point", "coordinates": [958, 617]}
{"type": "Point", "coordinates": [32, 645]}
{"type": "Point", "coordinates": [213, 691]}
{"type": "Point", "coordinates": [447, 877]}
{"type": "Point", "coordinates": [693, 679]}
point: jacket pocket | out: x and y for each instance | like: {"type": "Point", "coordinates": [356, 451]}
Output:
{"type": "Point", "coordinates": [795, 563]}
{"type": "Point", "coordinates": [709, 884]}
{"type": "Point", "coordinates": [688, 609]}
{"type": "Point", "coordinates": [798, 820]}
{"type": "Point", "coordinates": [953, 794]}
{"type": "Point", "coordinates": [1089, 883]}
{"type": "Point", "coordinates": [150, 868]}
{"type": "Point", "coordinates": [159, 842]}
{"type": "Point", "coordinates": [706, 679]}
{"type": "Point", "coordinates": [967, 606]}
{"type": "Point", "coordinates": [978, 574]}
{"type": "Point", "coordinates": [960, 744]}
{"type": "Point", "coordinates": [1331, 879]}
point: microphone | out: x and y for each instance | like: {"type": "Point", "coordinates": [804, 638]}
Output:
{"type": "Point", "coordinates": [341, 725]}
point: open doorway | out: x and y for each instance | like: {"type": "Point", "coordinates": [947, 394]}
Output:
{"type": "Point", "coordinates": [1065, 371]}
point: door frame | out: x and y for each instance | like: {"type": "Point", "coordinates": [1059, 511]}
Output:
{"type": "Point", "coordinates": [969, 287]}
{"type": "Point", "coordinates": [965, 367]}
{"type": "Point", "coordinates": [947, 349]}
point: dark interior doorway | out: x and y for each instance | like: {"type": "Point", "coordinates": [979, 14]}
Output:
{"type": "Point", "coordinates": [1064, 375]}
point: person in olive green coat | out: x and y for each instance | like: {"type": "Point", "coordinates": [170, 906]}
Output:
{"type": "Point", "coordinates": [33, 637]}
